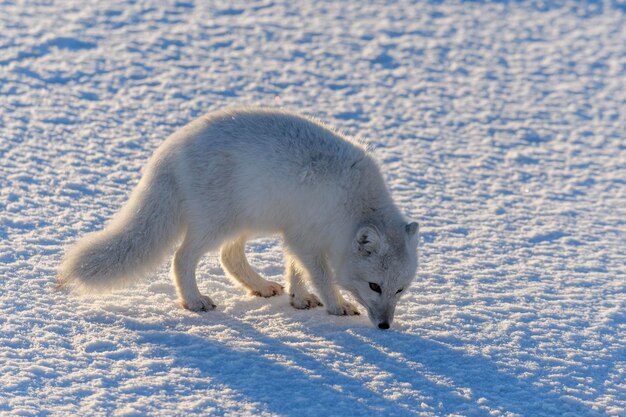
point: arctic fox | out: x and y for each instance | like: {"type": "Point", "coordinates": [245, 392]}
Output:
{"type": "Point", "coordinates": [235, 174]}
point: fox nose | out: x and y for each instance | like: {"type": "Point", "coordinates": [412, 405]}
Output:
{"type": "Point", "coordinates": [384, 325]}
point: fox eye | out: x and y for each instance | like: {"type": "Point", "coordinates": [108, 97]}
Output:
{"type": "Point", "coordinates": [375, 287]}
{"type": "Point", "coordinates": [399, 291]}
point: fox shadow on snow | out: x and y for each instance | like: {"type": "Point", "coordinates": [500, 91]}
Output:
{"type": "Point", "coordinates": [309, 387]}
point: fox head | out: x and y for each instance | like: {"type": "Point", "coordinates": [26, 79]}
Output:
{"type": "Point", "coordinates": [380, 267]}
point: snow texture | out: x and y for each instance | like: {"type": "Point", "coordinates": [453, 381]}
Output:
{"type": "Point", "coordinates": [500, 127]}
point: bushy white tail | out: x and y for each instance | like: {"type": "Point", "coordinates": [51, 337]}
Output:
{"type": "Point", "coordinates": [134, 243]}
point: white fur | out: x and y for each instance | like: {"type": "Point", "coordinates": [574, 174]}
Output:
{"type": "Point", "coordinates": [235, 174]}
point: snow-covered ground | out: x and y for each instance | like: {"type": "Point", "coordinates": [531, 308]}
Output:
{"type": "Point", "coordinates": [500, 127]}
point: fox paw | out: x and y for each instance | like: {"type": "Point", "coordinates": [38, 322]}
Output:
{"type": "Point", "coordinates": [305, 302]}
{"type": "Point", "coordinates": [200, 303]}
{"type": "Point", "coordinates": [270, 289]}
{"type": "Point", "coordinates": [344, 309]}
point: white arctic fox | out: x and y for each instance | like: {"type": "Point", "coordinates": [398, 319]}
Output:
{"type": "Point", "coordinates": [235, 174]}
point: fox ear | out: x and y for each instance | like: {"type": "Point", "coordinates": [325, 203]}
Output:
{"type": "Point", "coordinates": [412, 229]}
{"type": "Point", "coordinates": [367, 241]}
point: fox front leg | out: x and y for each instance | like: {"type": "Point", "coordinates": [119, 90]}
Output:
{"type": "Point", "coordinates": [300, 297]}
{"type": "Point", "coordinates": [321, 277]}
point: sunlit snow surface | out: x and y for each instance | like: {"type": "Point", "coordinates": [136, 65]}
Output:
{"type": "Point", "coordinates": [500, 127]}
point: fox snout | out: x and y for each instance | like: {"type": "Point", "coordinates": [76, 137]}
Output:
{"type": "Point", "coordinates": [382, 319]}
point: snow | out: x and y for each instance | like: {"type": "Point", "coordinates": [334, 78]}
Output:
{"type": "Point", "coordinates": [500, 126]}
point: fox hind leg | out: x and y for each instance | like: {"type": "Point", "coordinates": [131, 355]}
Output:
{"type": "Point", "coordinates": [184, 275]}
{"type": "Point", "coordinates": [233, 258]}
